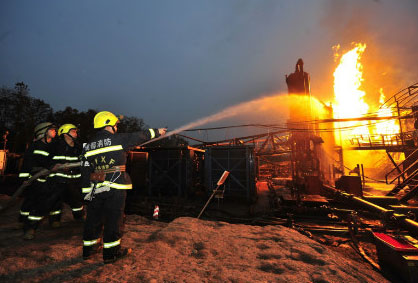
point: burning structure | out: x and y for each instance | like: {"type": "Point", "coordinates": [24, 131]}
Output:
{"type": "Point", "coordinates": [389, 129]}
{"type": "Point", "coordinates": [299, 176]}
{"type": "Point", "coordinates": [309, 162]}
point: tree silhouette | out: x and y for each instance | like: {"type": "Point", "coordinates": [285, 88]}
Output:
{"type": "Point", "coordinates": [20, 113]}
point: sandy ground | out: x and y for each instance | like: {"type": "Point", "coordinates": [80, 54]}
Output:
{"type": "Point", "coordinates": [184, 250]}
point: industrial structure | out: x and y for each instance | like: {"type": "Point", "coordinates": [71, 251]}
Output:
{"type": "Point", "coordinates": [293, 176]}
{"type": "Point", "coordinates": [296, 177]}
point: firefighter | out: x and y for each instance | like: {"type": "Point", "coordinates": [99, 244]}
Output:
{"type": "Point", "coordinates": [66, 186]}
{"type": "Point", "coordinates": [36, 158]}
{"type": "Point", "coordinates": [59, 185]}
{"type": "Point", "coordinates": [105, 181]}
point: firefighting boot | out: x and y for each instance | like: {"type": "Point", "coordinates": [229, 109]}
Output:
{"type": "Point", "coordinates": [55, 219]}
{"type": "Point", "coordinates": [22, 218]}
{"type": "Point", "coordinates": [21, 221]}
{"type": "Point", "coordinates": [110, 256]}
{"type": "Point", "coordinates": [89, 251]}
{"type": "Point", "coordinates": [55, 224]}
{"type": "Point", "coordinates": [29, 234]}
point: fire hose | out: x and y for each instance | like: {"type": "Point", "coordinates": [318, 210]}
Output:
{"type": "Point", "coordinates": [359, 249]}
{"type": "Point", "coordinates": [41, 173]}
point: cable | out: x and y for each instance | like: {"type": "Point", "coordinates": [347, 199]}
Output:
{"type": "Point", "coordinates": [280, 126]}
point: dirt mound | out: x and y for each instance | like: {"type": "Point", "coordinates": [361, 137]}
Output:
{"type": "Point", "coordinates": [184, 250]}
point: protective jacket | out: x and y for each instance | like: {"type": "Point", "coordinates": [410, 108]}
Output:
{"type": "Point", "coordinates": [106, 151]}
{"type": "Point", "coordinates": [36, 157]}
{"type": "Point", "coordinates": [66, 186]}
{"type": "Point", "coordinates": [63, 153]}
{"type": "Point", "coordinates": [105, 154]}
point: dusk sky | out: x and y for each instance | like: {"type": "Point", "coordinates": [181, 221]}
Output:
{"type": "Point", "coordinates": [172, 62]}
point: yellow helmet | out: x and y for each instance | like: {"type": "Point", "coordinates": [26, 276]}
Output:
{"type": "Point", "coordinates": [66, 128]}
{"type": "Point", "coordinates": [105, 118]}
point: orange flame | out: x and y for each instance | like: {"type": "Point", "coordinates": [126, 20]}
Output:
{"type": "Point", "coordinates": [386, 127]}
{"type": "Point", "coordinates": [349, 99]}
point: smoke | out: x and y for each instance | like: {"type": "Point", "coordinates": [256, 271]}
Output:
{"type": "Point", "coordinates": [389, 29]}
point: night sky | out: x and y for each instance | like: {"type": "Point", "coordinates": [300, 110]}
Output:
{"type": "Point", "coordinates": [175, 61]}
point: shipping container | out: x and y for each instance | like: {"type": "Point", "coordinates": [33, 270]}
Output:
{"type": "Point", "coordinates": [166, 172]}
{"type": "Point", "coordinates": [137, 168]}
{"type": "Point", "coordinates": [240, 162]}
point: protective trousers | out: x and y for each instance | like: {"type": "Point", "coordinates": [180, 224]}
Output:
{"type": "Point", "coordinates": [47, 197]}
{"type": "Point", "coordinates": [30, 198]}
{"type": "Point", "coordinates": [70, 193]}
{"type": "Point", "coordinates": [105, 211]}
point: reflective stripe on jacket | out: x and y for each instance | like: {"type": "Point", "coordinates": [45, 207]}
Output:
{"type": "Point", "coordinates": [62, 152]}
{"type": "Point", "coordinates": [36, 157]}
{"type": "Point", "coordinates": [107, 150]}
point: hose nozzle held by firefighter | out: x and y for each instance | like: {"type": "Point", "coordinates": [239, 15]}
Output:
{"type": "Point", "coordinates": [162, 131]}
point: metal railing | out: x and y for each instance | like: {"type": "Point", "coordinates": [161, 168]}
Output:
{"type": "Point", "coordinates": [380, 140]}
{"type": "Point", "coordinates": [404, 98]}
{"type": "Point", "coordinates": [403, 172]}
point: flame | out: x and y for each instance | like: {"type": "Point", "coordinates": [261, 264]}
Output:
{"type": "Point", "coordinates": [349, 99]}
{"type": "Point", "coordinates": [386, 127]}
{"type": "Point", "coordinates": [349, 103]}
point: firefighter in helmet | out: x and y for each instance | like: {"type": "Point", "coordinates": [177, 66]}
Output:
{"type": "Point", "coordinates": [61, 185]}
{"type": "Point", "coordinates": [66, 185]}
{"type": "Point", "coordinates": [36, 158]}
{"type": "Point", "coordinates": [105, 181]}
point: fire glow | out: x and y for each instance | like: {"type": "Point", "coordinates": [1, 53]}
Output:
{"type": "Point", "coordinates": [386, 127]}
{"type": "Point", "coordinates": [349, 98]}
{"type": "Point", "coordinates": [348, 77]}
